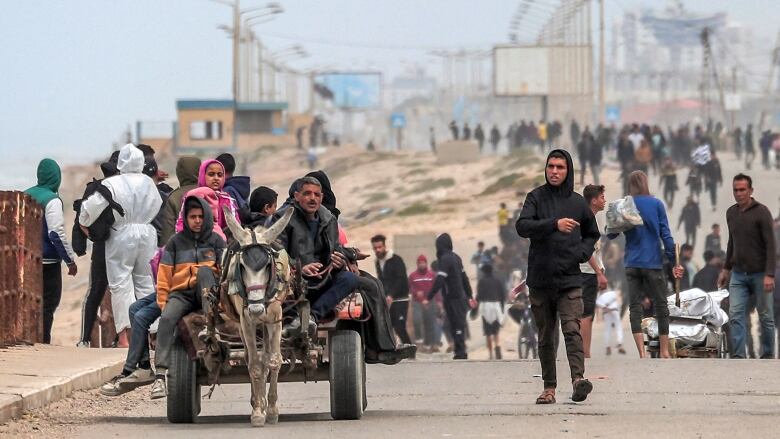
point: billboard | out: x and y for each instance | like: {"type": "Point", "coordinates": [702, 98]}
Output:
{"type": "Point", "coordinates": [360, 90]}
{"type": "Point", "coordinates": [542, 70]}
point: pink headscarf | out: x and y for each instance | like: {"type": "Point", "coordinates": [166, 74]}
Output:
{"type": "Point", "coordinates": [202, 172]}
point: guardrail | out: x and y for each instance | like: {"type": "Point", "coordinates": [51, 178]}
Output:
{"type": "Point", "coordinates": [21, 272]}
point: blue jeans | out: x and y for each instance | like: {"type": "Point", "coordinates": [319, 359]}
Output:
{"type": "Point", "coordinates": [341, 285]}
{"type": "Point", "coordinates": [741, 287]}
{"type": "Point", "coordinates": [142, 314]}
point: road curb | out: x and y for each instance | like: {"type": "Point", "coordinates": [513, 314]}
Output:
{"type": "Point", "coordinates": [20, 396]}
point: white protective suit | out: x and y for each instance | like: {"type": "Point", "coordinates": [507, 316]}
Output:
{"type": "Point", "coordinates": [132, 243]}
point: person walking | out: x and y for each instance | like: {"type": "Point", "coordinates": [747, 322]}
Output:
{"type": "Point", "coordinates": [495, 137]}
{"type": "Point", "coordinates": [391, 271]}
{"type": "Point", "coordinates": [749, 270]}
{"type": "Point", "coordinates": [563, 233]}
{"type": "Point", "coordinates": [750, 147]}
{"type": "Point", "coordinates": [608, 303]}
{"type": "Point", "coordinates": [691, 217]}
{"type": "Point", "coordinates": [466, 131]}
{"type": "Point", "coordinates": [454, 130]}
{"type": "Point", "coordinates": [643, 261]}
{"type": "Point", "coordinates": [595, 157]}
{"type": "Point", "coordinates": [712, 241]}
{"type": "Point", "coordinates": [586, 143]}
{"type": "Point", "coordinates": [455, 287]}
{"type": "Point", "coordinates": [593, 275]}
{"type": "Point", "coordinates": [420, 282]}
{"type": "Point", "coordinates": [491, 296]}
{"type": "Point", "coordinates": [98, 281]}
{"type": "Point", "coordinates": [669, 181]}
{"type": "Point", "coordinates": [479, 136]}
{"type": "Point", "coordinates": [713, 178]}
{"type": "Point", "coordinates": [765, 144]}
{"type": "Point", "coordinates": [56, 246]}
{"type": "Point", "coordinates": [133, 240]}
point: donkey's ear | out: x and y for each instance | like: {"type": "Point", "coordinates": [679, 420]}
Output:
{"type": "Point", "coordinates": [239, 233]}
{"type": "Point", "coordinates": [278, 227]}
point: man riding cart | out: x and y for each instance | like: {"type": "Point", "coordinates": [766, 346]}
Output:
{"type": "Point", "coordinates": [292, 271]}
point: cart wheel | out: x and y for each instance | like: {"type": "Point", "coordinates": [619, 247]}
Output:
{"type": "Point", "coordinates": [183, 389]}
{"type": "Point", "coordinates": [346, 375]}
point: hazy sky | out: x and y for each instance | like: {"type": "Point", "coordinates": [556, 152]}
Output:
{"type": "Point", "coordinates": [76, 73]}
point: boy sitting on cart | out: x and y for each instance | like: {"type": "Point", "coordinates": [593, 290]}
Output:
{"type": "Point", "coordinates": [189, 264]}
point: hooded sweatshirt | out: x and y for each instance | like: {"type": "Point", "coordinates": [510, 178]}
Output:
{"type": "Point", "coordinates": [187, 172]}
{"type": "Point", "coordinates": [420, 282]}
{"type": "Point", "coordinates": [451, 280]}
{"type": "Point", "coordinates": [224, 198]}
{"type": "Point", "coordinates": [238, 187]}
{"type": "Point", "coordinates": [328, 197]}
{"type": "Point", "coordinates": [56, 246]}
{"type": "Point", "coordinates": [187, 251]}
{"type": "Point", "coordinates": [554, 258]}
{"type": "Point", "coordinates": [210, 197]}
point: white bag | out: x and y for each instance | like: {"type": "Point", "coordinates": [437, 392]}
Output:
{"type": "Point", "coordinates": [622, 215]}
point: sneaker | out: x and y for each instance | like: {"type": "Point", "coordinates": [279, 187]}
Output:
{"type": "Point", "coordinates": [159, 389]}
{"type": "Point", "coordinates": [294, 327]}
{"type": "Point", "coordinates": [113, 386]}
{"type": "Point", "coordinates": [621, 351]}
{"type": "Point", "coordinates": [83, 344]}
{"type": "Point", "coordinates": [139, 377]}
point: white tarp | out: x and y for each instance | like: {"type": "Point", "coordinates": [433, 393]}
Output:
{"type": "Point", "coordinates": [700, 304]}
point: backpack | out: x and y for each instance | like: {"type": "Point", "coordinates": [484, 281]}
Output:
{"type": "Point", "coordinates": [100, 230]}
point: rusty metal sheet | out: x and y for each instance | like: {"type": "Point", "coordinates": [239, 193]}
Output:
{"type": "Point", "coordinates": [21, 272]}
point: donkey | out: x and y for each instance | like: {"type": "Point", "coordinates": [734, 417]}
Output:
{"type": "Point", "coordinates": [258, 283]}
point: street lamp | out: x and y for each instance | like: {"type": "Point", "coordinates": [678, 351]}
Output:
{"type": "Point", "coordinates": [271, 8]}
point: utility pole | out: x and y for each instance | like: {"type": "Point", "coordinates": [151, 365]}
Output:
{"type": "Point", "coordinates": [768, 89]}
{"type": "Point", "coordinates": [601, 107]}
{"type": "Point", "coordinates": [236, 42]}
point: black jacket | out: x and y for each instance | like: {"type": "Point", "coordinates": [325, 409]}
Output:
{"type": "Point", "coordinates": [451, 280]}
{"type": "Point", "coordinates": [393, 277]}
{"type": "Point", "coordinates": [490, 289]}
{"type": "Point", "coordinates": [298, 241]}
{"type": "Point", "coordinates": [707, 278]}
{"type": "Point", "coordinates": [554, 257]}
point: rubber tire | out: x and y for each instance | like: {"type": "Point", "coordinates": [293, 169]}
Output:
{"type": "Point", "coordinates": [346, 375]}
{"type": "Point", "coordinates": [183, 389]}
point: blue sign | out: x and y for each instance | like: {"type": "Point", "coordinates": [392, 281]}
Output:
{"type": "Point", "coordinates": [612, 113]}
{"type": "Point", "coordinates": [353, 90]}
{"type": "Point", "coordinates": [398, 120]}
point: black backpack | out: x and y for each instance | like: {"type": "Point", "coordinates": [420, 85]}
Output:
{"type": "Point", "coordinates": [100, 230]}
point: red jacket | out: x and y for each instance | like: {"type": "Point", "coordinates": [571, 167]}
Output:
{"type": "Point", "coordinates": [421, 283]}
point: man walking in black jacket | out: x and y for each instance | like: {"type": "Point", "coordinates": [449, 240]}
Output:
{"type": "Point", "coordinates": [391, 271]}
{"type": "Point", "coordinates": [452, 281]}
{"type": "Point", "coordinates": [563, 233]}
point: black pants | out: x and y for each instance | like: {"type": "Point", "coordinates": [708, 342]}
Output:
{"type": "Point", "coordinates": [52, 293]}
{"type": "Point", "coordinates": [645, 282]}
{"type": "Point", "coordinates": [690, 236]}
{"type": "Point", "coordinates": [180, 303]}
{"type": "Point", "coordinates": [549, 305]}
{"type": "Point", "coordinates": [456, 310]}
{"type": "Point", "coordinates": [98, 284]}
{"type": "Point", "coordinates": [398, 313]}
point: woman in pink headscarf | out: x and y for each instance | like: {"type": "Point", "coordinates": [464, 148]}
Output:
{"type": "Point", "coordinates": [212, 177]}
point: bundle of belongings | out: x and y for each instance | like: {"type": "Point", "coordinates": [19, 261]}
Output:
{"type": "Point", "coordinates": [622, 215]}
{"type": "Point", "coordinates": [697, 322]}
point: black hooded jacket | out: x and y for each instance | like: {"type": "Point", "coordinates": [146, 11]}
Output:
{"type": "Point", "coordinates": [554, 257]}
{"type": "Point", "coordinates": [328, 197]}
{"type": "Point", "coordinates": [451, 280]}
{"type": "Point", "coordinates": [299, 241]}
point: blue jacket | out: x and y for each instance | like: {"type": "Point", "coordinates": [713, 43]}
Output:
{"type": "Point", "coordinates": [643, 243]}
{"type": "Point", "coordinates": [238, 188]}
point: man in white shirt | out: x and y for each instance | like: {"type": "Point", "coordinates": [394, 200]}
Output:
{"type": "Point", "coordinates": [593, 277]}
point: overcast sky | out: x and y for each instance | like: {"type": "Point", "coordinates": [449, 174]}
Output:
{"type": "Point", "coordinates": [76, 73]}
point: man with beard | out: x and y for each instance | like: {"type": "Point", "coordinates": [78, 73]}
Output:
{"type": "Point", "coordinates": [563, 233]}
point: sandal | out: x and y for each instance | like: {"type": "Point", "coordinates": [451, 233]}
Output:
{"type": "Point", "coordinates": [547, 397]}
{"type": "Point", "coordinates": [582, 388]}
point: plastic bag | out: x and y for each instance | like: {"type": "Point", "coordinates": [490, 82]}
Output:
{"type": "Point", "coordinates": [623, 215]}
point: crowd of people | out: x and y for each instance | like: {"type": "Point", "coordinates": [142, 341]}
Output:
{"type": "Point", "coordinates": [147, 239]}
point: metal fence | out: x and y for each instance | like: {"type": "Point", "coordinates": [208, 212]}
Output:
{"type": "Point", "coordinates": [21, 272]}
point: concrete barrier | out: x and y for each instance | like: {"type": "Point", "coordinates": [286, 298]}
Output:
{"type": "Point", "coordinates": [457, 151]}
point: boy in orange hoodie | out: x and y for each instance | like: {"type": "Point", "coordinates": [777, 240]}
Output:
{"type": "Point", "coordinates": [189, 264]}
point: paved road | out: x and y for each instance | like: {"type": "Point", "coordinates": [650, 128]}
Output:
{"type": "Point", "coordinates": [685, 398]}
